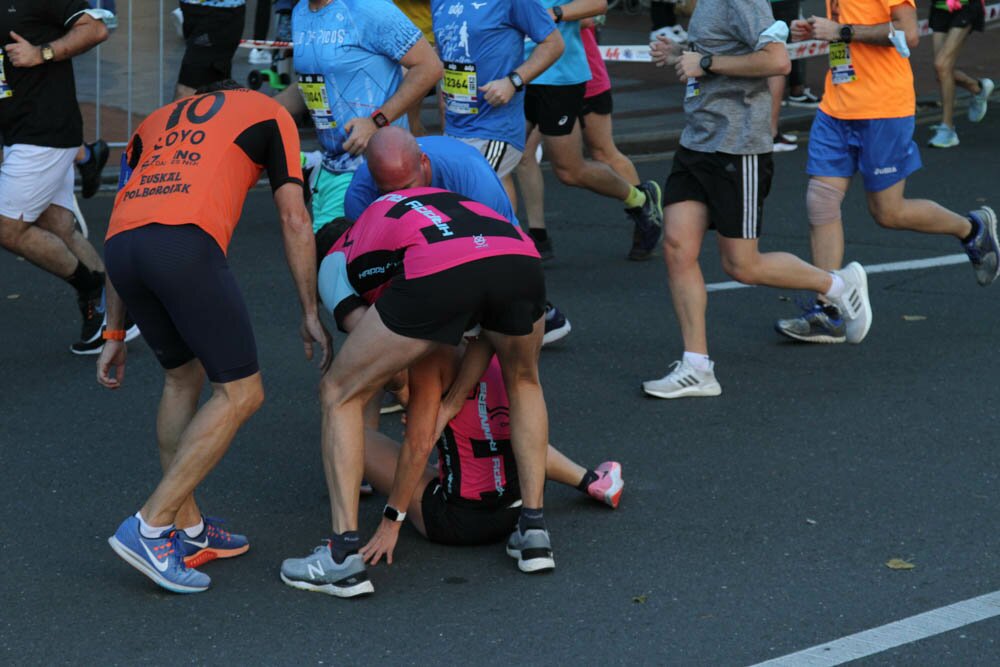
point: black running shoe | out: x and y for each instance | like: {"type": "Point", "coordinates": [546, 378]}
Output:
{"type": "Point", "coordinates": [96, 343]}
{"type": "Point", "coordinates": [648, 220]}
{"type": "Point", "coordinates": [90, 171]}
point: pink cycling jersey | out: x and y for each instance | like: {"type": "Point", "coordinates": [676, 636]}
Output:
{"type": "Point", "coordinates": [475, 459]}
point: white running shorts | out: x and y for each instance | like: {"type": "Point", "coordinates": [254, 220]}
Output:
{"type": "Point", "coordinates": [503, 157]}
{"type": "Point", "coordinates": [34, 177]}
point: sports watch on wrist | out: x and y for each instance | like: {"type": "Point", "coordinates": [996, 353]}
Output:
{"type": "Point", "coordinates": [393, 514]}
{"type": "Point", "coordinates": [557, 11]}
{"type": "Point", "coordinates": [48, 53]}
{"type": "Point", "coordinates": [516, 81]}
{"type": "Point", "coordinates": [846, 33]}
{"type": "Point", "coordinates": [706, 64]}
{"type": "Point", "coordinates": [379, 119]}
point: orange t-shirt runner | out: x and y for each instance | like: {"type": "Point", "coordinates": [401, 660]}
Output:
{"type": "Point", "coordinates": [192, 162]}
{"type": "Point", "coordinates": [883, 87]}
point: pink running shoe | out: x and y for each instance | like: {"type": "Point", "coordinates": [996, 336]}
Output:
{"type": "Point", "coordinates": [609, 485]}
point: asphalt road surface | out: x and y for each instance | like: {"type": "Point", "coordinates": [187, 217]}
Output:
{"type": "Point", "coordinates": [753, 525]}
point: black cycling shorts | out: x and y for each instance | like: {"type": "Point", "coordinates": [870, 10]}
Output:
{"type": "Point", "coordinates": [177, 286]}
{"type": "Point", "coordinates": [212, 35]}
{"type": "Point", "coordinates": [465, 524]}
{"type": "Point", "coordinates": [971, 14]}
{"type": "Point", "coordinates": [554, 109]}
{"type": "Point", "coordinates": [733, 187]}
{"type": "Point", "coordinates": [505, 294]}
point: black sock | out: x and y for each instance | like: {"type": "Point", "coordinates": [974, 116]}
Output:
{"type": "Point", "coordinates": [85, 281]}
{"type": "Point", "coordinates": [588, 478]}
{"type": "Point", "coordinates": [344, 544]}
{"type": "Point", "coordinates": [538, 233]}
{"type": "Point", "coordinates": [530, 519]}
{"type": "Point", "coordinates": [974, 232]}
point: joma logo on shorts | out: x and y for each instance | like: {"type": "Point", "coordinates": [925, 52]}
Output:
{"type": "Point", "coordinates": [881, 171]}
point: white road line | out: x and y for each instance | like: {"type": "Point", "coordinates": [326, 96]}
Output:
{"type": "Point", "coordinates": [909, 265]}
{"type": "Point", "coordinates": [891, 635]}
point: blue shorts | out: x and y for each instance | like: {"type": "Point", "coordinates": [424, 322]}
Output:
{"type": "Point", "coordinates": [883, 149]}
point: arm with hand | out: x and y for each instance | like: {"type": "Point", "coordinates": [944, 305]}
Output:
{"type": "Point", "coordinates": [425, 395]}
{"type": "Point", "coordinates": [114, 351]}
{"type": "Point", "coordinates": [474, 363]}
{"type": "Point", "coordinates": [904, 19]}
{"type": "Point", "coordinates": [423, 70]}
{"type": "Point", "coordinates": [770, 60]}
{"type": "Point", "coordinates": [500, 91]}
{"type": "Point", "coordinates": [300, 252]}
{"type": "Point", "coordinates": [85, 33]}
{"type": "Point", "coordinates": [581, 9]}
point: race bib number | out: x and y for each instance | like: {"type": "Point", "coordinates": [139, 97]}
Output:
{"type": "Point", "coordinates": [313, 87]}
{"type": "Point", "coordinates": [5, 89]}
{"type": "Point", "coordinates": [841, 67]}
{"type": "Point", "coordinates": [460, 88]}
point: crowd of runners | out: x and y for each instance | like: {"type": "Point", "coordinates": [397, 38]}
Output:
{"type": "Point", "coordinates": [413, 247]}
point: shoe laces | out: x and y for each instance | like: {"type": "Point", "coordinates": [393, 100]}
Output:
{"type": "Point", "coordinates": [212, 525]}
{"type": "Point", "coordinates": [171, 546]}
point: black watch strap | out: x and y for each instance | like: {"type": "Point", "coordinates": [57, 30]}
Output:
{"type": "Point", "coordinates": [393, 514]}
{"type": "Point", "coordinates": [516, 81]}
{"type": "Point", "coordinates": [558, 12]}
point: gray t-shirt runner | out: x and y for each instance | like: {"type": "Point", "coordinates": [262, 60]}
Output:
{"type": "Point", "coordinates": [731, 114]}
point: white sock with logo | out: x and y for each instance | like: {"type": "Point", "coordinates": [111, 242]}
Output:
{"type": "Point", "coordinates": [837, 287]}
{"type": "Point", "coordinates": [699, 362]}
{"type": "Point", "coordinates": [150, 531]}
{"type": "Point", "coordinates": [195, 530]}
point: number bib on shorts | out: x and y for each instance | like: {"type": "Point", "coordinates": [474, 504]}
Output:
{"type": "Point", "coordinates": [5, 89]}
{"type": "Point", "coordinates": [841, 67]}
{"type": "Point", "coordinates": [313, 87]}
{"type": "Point", "coordinates": [460, 88]}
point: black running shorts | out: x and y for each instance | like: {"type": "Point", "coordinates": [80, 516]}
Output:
{"type": "Point", "coordinates": [464, 524]}
{"type": "Point", "coordinates": [505, 294]}
{"type": "Point", "coordinates": [554, 109]}
{"type": "Point", "coordinates": [177, 287]}
{"type": "Point", "coordinates": [972, 14]}
{"type": "Point", "coordinates": [732, 186]}
{"type": "Point", "coordinates": [212, 35]}
{"type": "Point", "coordinates": [602, 104]}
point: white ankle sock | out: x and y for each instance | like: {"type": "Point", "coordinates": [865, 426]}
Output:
{"type": "Point", "coordinates": [150, 531]}
{"type": "Point", "coordinates": [837, 287]}
{"type": "Point", "coordinates": [699, 362]}
{"type": "Point", "coordinates": [195, 530]}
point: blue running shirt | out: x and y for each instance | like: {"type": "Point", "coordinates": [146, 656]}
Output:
{"type": "Point", "coordinates": [572, 66]}
{"type": "Point", "coordinates": [347, 61]}
{"type": "Point", "coordinates": [455, 166]}
{"type": "Point", "coordinates": [481, 42]}
{"type": "Point", "coordinates": [216, 3]}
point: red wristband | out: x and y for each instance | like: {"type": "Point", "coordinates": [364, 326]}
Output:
{"type": "Point", "coordinates": [113, 334]}
{"type": "Point", "coordinates": [379, 119]}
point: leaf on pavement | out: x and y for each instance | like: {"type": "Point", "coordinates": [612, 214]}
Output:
{"type": "Point", "coordinates": [899, 564]}
{"type": "Point", "coordinates": [13, 296]}
{"type": "Point", "coordinates": [914, 318]}
{"type": "Point", "coordinates": [639, 599]}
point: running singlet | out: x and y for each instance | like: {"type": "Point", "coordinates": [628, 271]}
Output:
{"type": "Point", "coordinates": [193, 161]}
{"type": "Point", "coordinates": [571, 68]}
{"type": "Point", "coordinates": [413, 233]}
{"type": "Point", "coordinates": [481, 42]}
{"type": "Point", "coordinates": [475, 459]}
{"type": "Point", "coordinates": [347, 62]}
{"type": "Point", "coordinates": [876, 81]}
{"type": "Point", "coordinates": [455, 166]}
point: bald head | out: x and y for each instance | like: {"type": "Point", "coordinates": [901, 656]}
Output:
{"type": "Point", "coordinates": [396, 161]}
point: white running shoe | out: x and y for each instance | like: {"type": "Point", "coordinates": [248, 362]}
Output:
{"type": "Point", "coordinates": [980, 101]}
{"type": "Point", "coordinates": [854, 305]}
{"type": "Point", "coordinates": [259, 57]}
{"type": "Point", "coordinates": [684, 380]}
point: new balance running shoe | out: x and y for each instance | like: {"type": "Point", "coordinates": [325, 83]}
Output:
{"type": "Point", "coordinates": [983, 249]}
{"type": "Point", "coordinates": [213, 542]}
{"type": "Point", "coordinates": [819, 323]}
{"type": "Point", "coordinates": [853, 303]}
{"type": "Point", "coordinates": [557, 326]}
{"type": "Point", "coordinates": [319, 573]}
{"type": "Point", "coordinates": [648, 221]}
{"type": "Point", "coordinates": [159, 558]}
{"type": "Point", "coordinates": [607, 488]}
{"type": "Point", "coordinates": [684, 380]}
{"type": "Point", "coordinates": [532, 549]}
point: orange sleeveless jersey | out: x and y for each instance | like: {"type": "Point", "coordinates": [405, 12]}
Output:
{"type": "Point", "coordinates": [193, 161]}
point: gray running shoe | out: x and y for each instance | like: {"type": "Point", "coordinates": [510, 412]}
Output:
{"type": "Point", "coordinates": [318, 572]}
{"type": "Point", "coordinates": [854, 304]}
{"type": "Point", "coordinates": [684, 380]}
{"type": "Point", "coordinates": [533, 550]}
{"type": "Point", "coordinates": [648, 220]}
{"type": "Point", "coordinates": [820, 323]}
{"type": "Point", "coordinates": [982, 249]}
{"type": "Point", "coordinates": [980, 101]}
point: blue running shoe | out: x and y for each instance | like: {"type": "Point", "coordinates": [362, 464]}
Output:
{"type": "Point", "coordinates": [984, 250]}
{"type": "Point", "coordinates": [213, 542]}
{"type": "Point", "coordinates": [159, 558]}
{"type": "Point", "coordinates": [557, 326]}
